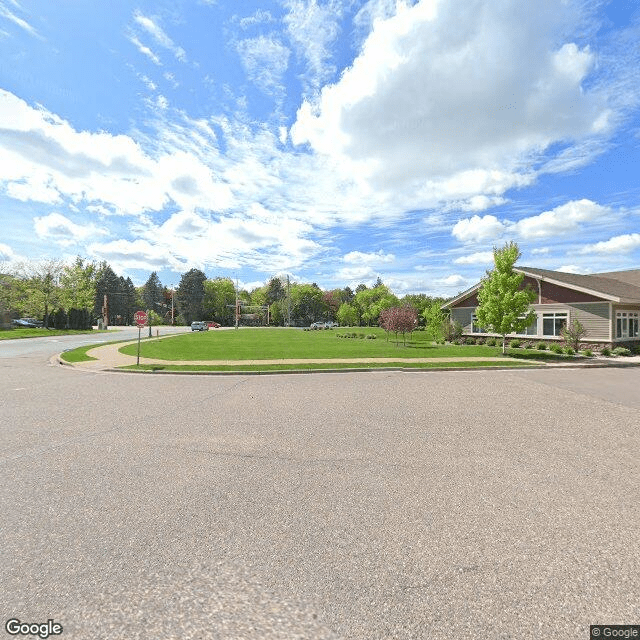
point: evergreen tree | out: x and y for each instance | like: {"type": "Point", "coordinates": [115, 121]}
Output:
{"type": "Point", "coordinates": [190, 295]}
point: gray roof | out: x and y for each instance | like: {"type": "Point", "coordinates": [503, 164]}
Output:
{"type": "Point", "coordinates": [622, 286]}
{"type": "Point", "coordinates": [617, 286]}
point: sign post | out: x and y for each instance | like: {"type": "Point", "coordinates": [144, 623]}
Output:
{"type": "Point", "coordinates": [140, 318]}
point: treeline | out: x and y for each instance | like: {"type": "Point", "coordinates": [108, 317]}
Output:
{"type": "Point", "coordinates": [67, 296]}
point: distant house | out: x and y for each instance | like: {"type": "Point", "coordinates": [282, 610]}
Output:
{"type": "Point", "coordinates": [607, 304]}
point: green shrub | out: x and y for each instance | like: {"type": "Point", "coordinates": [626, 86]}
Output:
{"type": "Point", "coordinates": [588, 353]}
{"type": "Point", "coordinates": [556, 348]}
{"type": "Point", "coordinates": [570, 351]}
{"type": "Point", "coordinates": [469, 340]}
{"type": "Point", "coordinates": [606, 351]}
{"type": "Point", "coordinates": [371, 336]}
{"type": "Point", "coordinates": [515, 344]}
{"type": "Point", "coordinates": [480, 340]}
{"type": "Point", "coordinates": [541, 346]}
{"type": "Point", "coordinates": [621, 351]}
{"type": "Point", "coordinates": [491, 342]}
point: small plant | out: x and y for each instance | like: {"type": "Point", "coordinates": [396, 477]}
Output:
{"type": "Point", "coordinates": [556, 348]}
{"type": "Point", "coordinates": [621, 351]}
{"type": "Point", "coordinates": [479, 340]}
{"type": "Point", "coordinates": [588, 353]}
{"type": "Point", "coordinates": [361, 336]}
{"type": "Point", "coordinates": [606, 351]}
{"type": "Point", "coordinates": [570, 351]}
{"type": "Point", "coordinates": [541, 346]}
{"type": "Point", "coordinates": [515, 344]}
{"type": "Point", "coordinates": [573, 333]}
{"type": "Point", "coordinates": [491, 342]}
{"type": "Point", "coordinates": [371, 336]}
{"type": "Point", "coordinates": [469, 340]}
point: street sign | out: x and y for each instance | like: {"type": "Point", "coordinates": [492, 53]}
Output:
{"type": "Point", "coordinates": [140, 318]}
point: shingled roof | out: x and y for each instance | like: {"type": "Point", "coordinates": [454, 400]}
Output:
{"type": "Point", "coordinates": [617, 286]}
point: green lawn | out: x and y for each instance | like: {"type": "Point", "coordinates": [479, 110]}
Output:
{"type": "Point", "coordinates": [268, 344]}
{"type": "Point", "coordinates": [12, 334]}
{"type": "Point", "coordinates": [328, 365]}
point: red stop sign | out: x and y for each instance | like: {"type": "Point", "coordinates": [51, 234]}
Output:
{"type": "Point", "coordinates": [140, 318]}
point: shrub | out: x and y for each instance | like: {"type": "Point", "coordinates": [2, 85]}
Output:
{"type": "Point", "coordinates": [588, 353]}
{"type": "Point", "coordinates": [556, 348]}
{"type": "Point", "coordinates": [491, 342]}
{"type": "Point", "coordinates": [573, 333]}
{"type": "Point", "coordinates": [452, 331]}
{"type": "Point", "coordinates": [541, 346]}
{"type": "Point", "coordinates": [479, 340]}
{"type": "Point", "coordinates": [515, 344]}
{"type": "Point", "coordinates": [570, 351]}
{"type": "Point", "coordinates": [361, 336]}
{"type": "Point", "coordinates": [606, 351]}
{"type": "Point", "coordinates": [371, 336]}
{"type": "Point", "coordinates": [621, 351]}
{"type": "Point", "coordinates": [469, 340]}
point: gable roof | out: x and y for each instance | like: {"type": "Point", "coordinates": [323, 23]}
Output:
{"type": "Point", "coordinates": [616, 286]}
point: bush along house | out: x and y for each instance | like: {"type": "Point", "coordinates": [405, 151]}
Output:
{"type": "Point", "coordinates": [606, 304]}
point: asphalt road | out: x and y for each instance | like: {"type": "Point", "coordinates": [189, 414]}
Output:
{"type": "Point", "coordinates": [372, 505]}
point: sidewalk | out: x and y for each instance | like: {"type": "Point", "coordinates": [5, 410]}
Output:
{"type": "Point", "coordinates": [108, 358]}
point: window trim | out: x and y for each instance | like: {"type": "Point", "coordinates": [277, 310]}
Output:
{"type": "Point", "coordinates": [554, 315]}
{"type": "Point", "coordinates": [627, 316]}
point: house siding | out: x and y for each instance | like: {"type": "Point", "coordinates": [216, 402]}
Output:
{"type": "Point", "coordinates": [594, 318]}
{"type": "Point", "coordinates": [463, 316]}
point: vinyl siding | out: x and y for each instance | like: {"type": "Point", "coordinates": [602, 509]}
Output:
{"type": "Point", "coordinates": [463, 316]}
{"type": "Point", "coordinates": [594, 317]}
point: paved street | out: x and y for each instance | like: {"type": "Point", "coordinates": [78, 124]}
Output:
{"type": "Point", "coordinates": [477, 504]}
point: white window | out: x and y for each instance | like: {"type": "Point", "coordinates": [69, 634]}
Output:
{"type": "Point", "coordinates": [627, 324]}
{"type": "Point", "coordinates": [552, 323]}
{"type": "Point", "coordinates": [474, 325]}
{"type": "Point", "coordinates": [531, 330]}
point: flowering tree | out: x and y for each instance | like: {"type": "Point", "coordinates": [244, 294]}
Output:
{"type": "Point", "coordinates": [399, 320]}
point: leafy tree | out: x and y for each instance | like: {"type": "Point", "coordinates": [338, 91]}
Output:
{"type": "Point", "coordinates": [40, 286]}
{"type": "Point", "coordinates": [435, 320]}
{"type": "Point", "coordinates": [190, 295]}
{"type": "Point", "coordinates": [503, 303]}
{"type": "Point", "coordinates": [370, 302]}
{"type": "Point", "coordinates": [347, 315]}
{"type": "Point", "coordinates": [361, 287]}
{"type": "Point", "coordinates": [331, 301]}
{"type": "Point", "coordinates": [573, 333]}
{"type": "Point", "coordinates": [306, 304]}
{"type": "Point", "coordinates": [399, 320]}
{"type": "Point", "coordinates": [78, 282]}
{"type": "Point", "coordinates": [219, 300]}
{"type": "Point", "coordinates": [347, 295]}
{"type": "Point", "coordinates": [275, 291]}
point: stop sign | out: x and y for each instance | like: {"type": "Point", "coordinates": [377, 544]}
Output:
{"type": "Point", "coordinates": [140, 318]}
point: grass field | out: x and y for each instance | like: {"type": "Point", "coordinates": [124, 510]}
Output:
{"type": "Point", "coordinates": [329, 366]}
{"type": "Point", "coordinates": [12, 334]}
{"type": "Point", "coordinates": [269, 344]}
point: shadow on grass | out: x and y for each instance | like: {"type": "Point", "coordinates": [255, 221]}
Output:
{"type": "Point", "coordinates": [544, 356]}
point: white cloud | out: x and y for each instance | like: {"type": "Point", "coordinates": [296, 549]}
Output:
{"type": "Point", "coordinates": [561, 220]}
{"type": "Point", "coordinates": [453, 100]}
{"type": "Point", "coordinates": [123, 255]}
{"type": "Point", "coordinates": [477, 229]}
{"type": "Point", "coordinates": [23, 24]}
{"type": "Point", "coordinates": [572, 268]}
{"type": "Point", "coordinates": [45, 159]}
{"type": "Point", "coordinates": [144, 50]}
{"type": "Point", "coordinates": [259, 17]}
{"type": "Point", "coordinates": [541, 251]}
{"type": "Point", "coordinates": [265, 59]}
{"type": "Point", "coordinates": [159, 35]}
{"type": "Point", "coordinates": [481, 257]}
{"type": "Point", "coordinates": [6, 252]}
{"type": "Point", "coordinates": [618, 244]}
{"type": "Point", "coordinates": [454, 280]}
{"type": "Point", "coordinates": [63, 231]}
{"type": "Point", "coordinates": [358, 257]}
{"type": "Point", "coordinates": [312, 28]}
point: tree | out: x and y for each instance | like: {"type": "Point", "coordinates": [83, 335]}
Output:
{"type": "Point", "coordinates": [573, 334]}
{"type": "Point", "coordinates": [503, 302]}
{"type": "Point", "coordinates": [399, 320]}
{"type": "Point", "coordinates": [78, 282]}
{"type": "Point", "coordinates": [41, 286]}
{"type": "Point", "coordinates": [370, 302]}
{"type": "Point", "coordinates": [190, 295]}
{"type": "Point", "coordinates": [152, 294]}
{"type": "Point", "coordinates": [435, 320]}
{"type": "Point", "coordinates": [219, 301]}
{"type": "Point", "coordinates": [275, 291]}
{"type": "Point", "coordinates": [306, 304]}
{"type": "Point", "coordinates": [347, 315]}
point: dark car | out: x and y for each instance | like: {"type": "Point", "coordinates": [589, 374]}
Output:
{"type": "Point", "coordinates": [30, 323]}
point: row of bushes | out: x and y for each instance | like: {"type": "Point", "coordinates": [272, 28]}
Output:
{"type": "Point", "coordinates": [362, 336]}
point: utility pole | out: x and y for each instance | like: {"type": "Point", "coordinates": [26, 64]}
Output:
{"type": "Point", "coordinates": [105, 312]}
{"type": "Point", "coordinates": [237, 305]}
{"type": "Point", "coordinates": [172, 321]}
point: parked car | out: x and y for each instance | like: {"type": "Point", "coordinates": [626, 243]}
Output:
{"type": "Point", "coordinates": [317, 325]}
{"type": "Point", "coordinates": [30, 323]}
{"type": "Point", "coordinates": [199, 325]}
{"type": "Point", "coordinates": [213, 325]}
{"type": "Point", "coordinates": [331, 325]}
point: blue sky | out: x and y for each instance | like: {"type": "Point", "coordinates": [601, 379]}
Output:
{"type": "Point", "coordinates": [333, 140]}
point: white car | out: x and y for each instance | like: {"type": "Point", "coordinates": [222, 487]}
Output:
{"type": "Point", "coordinates": [198, 325]}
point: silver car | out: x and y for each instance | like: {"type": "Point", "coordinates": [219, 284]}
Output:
{"type": "Point", "coordinates": [198, 325]}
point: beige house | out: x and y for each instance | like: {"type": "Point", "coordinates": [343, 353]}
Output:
{"type": "Point", "coordinates": [607, 304]}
